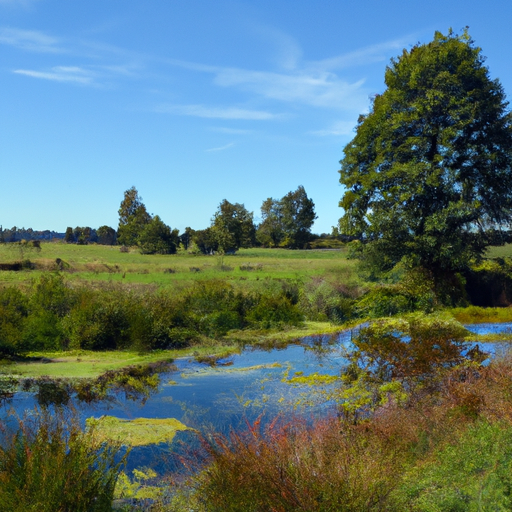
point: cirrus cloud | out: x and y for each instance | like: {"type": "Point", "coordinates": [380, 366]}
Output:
{"type": "Point", "coordinates": [61, 74]}
{"type": "Point", "coordinates": [217, 112]}
{"type": "Point", "coordinates": [32, 40]}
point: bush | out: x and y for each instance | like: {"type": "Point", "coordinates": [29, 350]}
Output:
{"type": "Point", "coordinates": [292, 467]}
{"type": "Point", "coordinates": [384, 301]}
{"type": "Point", "coordinates": [43, 331]}
{"type": "Point", "coordinates": [98, 320]}
{"type": "Point", "coordinates": [13, 313]}
{"type": "Point", "coordinates": [321, 300]}
{"type": "Point", "coordinates": [274, 311]}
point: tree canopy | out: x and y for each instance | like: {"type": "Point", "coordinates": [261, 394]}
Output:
{"type": "Point", "coordinates": [287, 222]}
{"type": "Point", "coordinates": [157, 238]}
{"type": "Point", "coordinates": [233, 226]}
{"type": "Point", "coordinates": [133, 217]}
{"type": "Point", "coordinates": [429, 173]}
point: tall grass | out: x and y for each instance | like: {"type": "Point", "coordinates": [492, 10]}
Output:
{"type": "Point", "coordinates": [295, 467]}
{"type": "Point", "coordinates": [49, 465]}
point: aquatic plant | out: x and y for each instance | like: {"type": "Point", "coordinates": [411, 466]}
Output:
{"type": "Point", "coordinates": [50, 464]}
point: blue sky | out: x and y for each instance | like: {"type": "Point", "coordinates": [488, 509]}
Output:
{"type": "Point", "coordinates": [196, 101]}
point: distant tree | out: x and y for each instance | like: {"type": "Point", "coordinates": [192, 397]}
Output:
{"type": "Point", "coordinates": [233, 226]}
{"type": "Point", "coordinates": [205, 240]}
{"type": "Point", "coordinates": [106, 235]}
{"type": "Point", "coordinates": [430, 168]}
{"type": "Point", "coordinates": [270, 232]}
{"type": "Point", "coordinates": [186, 237]}
{"type": "Point", "coordinates": [84, 235]}
{"type": "Point", "coordinates": [69, 236]}
{"type": "Point", "coordinates": [157, 238]}
{"type": "Point", "coordinates": [298, 213]}
{"type": "Point", "coordinates": [11, 235]}
{"type": "Point", "coordinates": [287, 222]}
{"type": "Point", "coordinates": [2, 239]}
{"type": "Point", "coordinates": [133, 217]}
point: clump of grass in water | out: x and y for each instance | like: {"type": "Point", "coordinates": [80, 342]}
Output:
{"type": "Point", "coordinates": [50, 464]}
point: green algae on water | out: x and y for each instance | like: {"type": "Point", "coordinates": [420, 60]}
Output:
{"type": "Point", "coordinates": [137, 432]}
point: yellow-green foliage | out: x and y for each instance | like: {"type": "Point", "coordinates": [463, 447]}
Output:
{"type": "Point", "coordinates": [315, 379]}
{"type": "Point", "coordinates": [137, 487]}
{"type": "Point", "coordinates": [137, 432]}
{"type": "Point", "coordinates": [478, 315]}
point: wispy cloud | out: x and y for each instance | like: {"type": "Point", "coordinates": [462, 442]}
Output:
{"type": "Point", "coordinates": [61, 74]}
{"type": "Point", "coordinates": [317, 89]}
{"type": "Point", "coordinates": [231, 131]}
{"type": "Point", "coordinates": [314, 83]}
{"type": "Point", "coordinates": [363, 56]}
{"type": "Point", "coordinates": [32, 40]}
{"type": "Point", "coordinates": [338, 128]}
{"type": "Point", "coordinates": [288, 52]}
{"type": "Point", "coordinates": [217, 112]}
{"type": "Point", "coordinates": [222, 148]}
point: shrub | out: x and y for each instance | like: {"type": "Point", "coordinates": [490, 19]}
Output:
{"type": "Point", "coordinates": [99, 320]}
{"type": "Point", "coordinates": [273, 311]}
{"type": "Point", "coordinates": [13, 313]}
{"type": "Point", "coordinates": [296, 467]}
{"type": "Point", "coordinates": [321, 300]}
{"type": "Point", "coordinates": [384, 301]}
{"type": "Point", "coordinates": [43, 331]}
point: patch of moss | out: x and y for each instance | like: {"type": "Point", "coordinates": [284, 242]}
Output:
{"type": "Point", "coordinates": [137, 432]}
{"type": "Point", "coordinates": [216, 370]}
{"type": "Point", "coordinates": [315, 379]}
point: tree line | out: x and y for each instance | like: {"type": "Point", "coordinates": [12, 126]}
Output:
{"type": "Point", "coordinates": [286, 222]}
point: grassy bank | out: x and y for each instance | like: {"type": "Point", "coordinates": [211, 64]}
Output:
{"type": "Point", "coordinates": [79, 364]}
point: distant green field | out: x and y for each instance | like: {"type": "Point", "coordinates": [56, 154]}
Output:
{"type": "Point", "coordinates": [501, 251]}
{"type": "Point", "coordinates": [106, 263]}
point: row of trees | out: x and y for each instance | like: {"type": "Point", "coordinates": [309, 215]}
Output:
{"type": "Point", "coordinates": [286, 222]}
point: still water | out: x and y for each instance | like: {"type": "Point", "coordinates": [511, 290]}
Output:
{"type": "Point", "coordinates": [253, 384]}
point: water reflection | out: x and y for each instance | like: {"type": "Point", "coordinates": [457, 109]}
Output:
{"type": "Point", "coordinates": [134, 383]}
{"type": "Point", "coordinates": [210, 398]}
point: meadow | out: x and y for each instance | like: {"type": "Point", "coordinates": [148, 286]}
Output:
{"type": "Point", "coordinates": [99, 263]}
{"type": "Point", "coordinates": [88, 308]}
{"type": "Point", "coordinates": [411, 415]}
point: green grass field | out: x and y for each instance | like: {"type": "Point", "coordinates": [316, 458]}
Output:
{"type": "Point", "coordinates": [105, 263]}
{"type": "Point", "coordinates": [501, 251]}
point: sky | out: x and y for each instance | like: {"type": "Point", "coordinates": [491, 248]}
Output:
{"type": "Point", "coordinates": [196, 101]}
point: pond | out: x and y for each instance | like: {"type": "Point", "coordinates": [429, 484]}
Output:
{"type": "Point", "coordinates": [237, 390]}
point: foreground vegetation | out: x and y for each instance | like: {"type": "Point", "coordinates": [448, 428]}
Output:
{"type": "Point", "coordinates": [421, 425]}
{"type": "Point", "coordinates": [390, 446]}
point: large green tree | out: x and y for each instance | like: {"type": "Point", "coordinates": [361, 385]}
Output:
{"type": "Point", "coordinates": [429, 173]}
{"type": "Point", "coordinates": [298, 216]}
{"type": "Point", "coordinates": [133, 217]}
{"type": "Point", "coordinates": [233, 227]}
